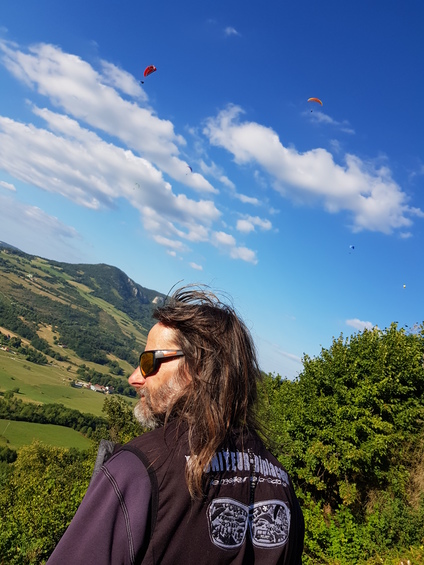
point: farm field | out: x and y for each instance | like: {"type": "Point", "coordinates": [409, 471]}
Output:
{"type": "Point", "coordinates": [47, 384]}
{"type": "Point", "coordinates": [19, 434]}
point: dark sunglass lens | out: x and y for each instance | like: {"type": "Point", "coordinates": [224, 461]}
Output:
{"type": "Point", "coordinates": [147, 362]}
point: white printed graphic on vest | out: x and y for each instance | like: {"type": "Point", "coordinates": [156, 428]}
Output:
{"type": "Point", "coordinates": [268, 522]}
{"type": "Point", "coordinates": [239, 461]}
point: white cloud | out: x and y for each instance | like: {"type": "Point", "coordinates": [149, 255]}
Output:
{"type": "Point", "coordinates": [248, 224]}
{"type": "Point", "coordinates": [8, 185]}
{"type": "Point", "coordinates": [228, 244]}
{"type": "Point", "coordinates": [321, 118]}
{"type": "Point", "coordinates": [231, 31]}
{"type": "Point", "coordinates": [79, 165]}
{"type": "Point", "coordinates": [68, 156]}
{"type": "Point", "coordinates": [245, 226]}
{"type": "Point", "coordinates": [36, 232]}
{"type": "Point", "coordinates": [171, 243]}
{"type": "Point", "coordinates": [75, 86]}
{"type": "Point", "coordinates": [368, 193]}
{"type": "Point", "coordinates": [247, 199]}
{"type": "Point", "coordinates": [245, 254]}
{"type": "Point", "coordinates": [359, 324]}
{"type": "Point", "coordinates": [222, 238]}
{"type": "Point", "coordinates": [122, 80]}
{"type": "Point", "coordinates": [216, 172]}
{"type": "Point", "coordinates": [196, 266]}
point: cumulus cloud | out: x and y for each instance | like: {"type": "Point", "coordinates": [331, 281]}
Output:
{"type": "Point", "coordinates": [368, 193]}
{"type": "Point", "coordinates": [359, 324]}
{"type": "Point", "coordinates": [74, 86]}
{"type": "Point", "coordinates": [222, 238]}
{"type": "Point", "coordinates": [249, 223]}
{"type": "Point", "coordinates": [245, 254]}
{"type": "Point", "coordinates": [7, 185]}
{"type": "Point", "coordinates": [227, 242]}
{"type": "Point", "coordinates": [196, 266]}
{"type": "Point", "coordinates": [122, 80]}
{"type": "Point", "coordinates": [69, 157]}
{"type": "Point", "coordinates": [247, 199]}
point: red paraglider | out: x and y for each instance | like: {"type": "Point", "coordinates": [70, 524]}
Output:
{"type": "Point", "coordinates": [148, 71]}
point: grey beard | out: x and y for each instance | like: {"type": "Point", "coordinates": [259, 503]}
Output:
{"type": "Point", "coordinates": [144, 413]}
{"type": "Point", "coordinates": [163, 399]}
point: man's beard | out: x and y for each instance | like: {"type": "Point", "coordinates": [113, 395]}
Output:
{"type": "Point", "coordinates": [151, 411]}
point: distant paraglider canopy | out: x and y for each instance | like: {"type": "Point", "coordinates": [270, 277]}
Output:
{"type": "Point", "coordinates": [315, 100]}
{"type": "Point", "coordinates": [148, 71]}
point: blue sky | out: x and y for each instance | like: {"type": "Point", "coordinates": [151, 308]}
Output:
{"type": "Point", "coordinates": [217, 170]}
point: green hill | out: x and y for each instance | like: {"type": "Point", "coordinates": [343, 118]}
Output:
{"type": "Point", "coordinates": [61, 323]}
{"type": "Point", "coordinates": [95, 312]}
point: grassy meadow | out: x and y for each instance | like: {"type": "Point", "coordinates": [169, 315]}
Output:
{"type": "Point", "coordinates": [17, 434]}
{"type": "Point", "coordinates": [46, 384]}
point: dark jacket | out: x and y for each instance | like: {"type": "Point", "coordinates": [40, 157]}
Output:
{"type": "Point", "coordinates": [249, 514]}
{"type": "Point", "coordinates": [138, 510]}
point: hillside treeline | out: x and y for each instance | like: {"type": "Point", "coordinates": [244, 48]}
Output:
{"type": "Point", "coordinates": [88, 332]}
{"type": "Point", "coordinates": [349, 429]}
{"type": "Point", "coordinates": [82, 303]}
{"type": "Point", "coordinates": [12, 408]}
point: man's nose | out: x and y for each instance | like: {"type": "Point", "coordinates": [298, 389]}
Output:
{"type": "Point", "coordinates": [136, 378]}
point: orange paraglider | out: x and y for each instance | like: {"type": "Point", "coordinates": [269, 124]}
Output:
{"type": "Point", "coordinates": [315, 100]}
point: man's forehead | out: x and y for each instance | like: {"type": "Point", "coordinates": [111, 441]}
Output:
{"type": "Point", "coordinates": [162, 336]}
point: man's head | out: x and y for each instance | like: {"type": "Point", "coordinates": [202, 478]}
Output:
{"type": "Point", "coordinates": [213, 386]}
{"type": "Point", "coordinates": [162, 386]}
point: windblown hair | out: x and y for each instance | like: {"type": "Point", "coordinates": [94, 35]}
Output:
{"type": "Point", "coordinates": [221, 359]}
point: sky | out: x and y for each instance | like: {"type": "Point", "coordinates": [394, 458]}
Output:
{"type": "Point", "coordinates": [216, 169]}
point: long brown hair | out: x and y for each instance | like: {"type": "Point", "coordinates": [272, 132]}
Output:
{"type": "Point", "coordinates": [221, 360]}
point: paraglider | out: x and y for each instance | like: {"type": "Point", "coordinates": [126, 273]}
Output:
{"type": "Point", "coordinates": [148, 71]}
{"type": "Point", "coordinates": [191, 170]}
{"type": "Point", "coordinates": [317, 100]}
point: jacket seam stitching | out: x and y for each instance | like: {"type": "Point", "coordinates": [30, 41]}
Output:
{"type": "Point", "coordinates": [124, 511]}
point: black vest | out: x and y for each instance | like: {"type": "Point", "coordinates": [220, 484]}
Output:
{"type": "Point", "coordinates": [250, 513]}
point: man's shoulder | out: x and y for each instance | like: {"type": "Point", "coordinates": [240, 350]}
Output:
{"type": "Point", "coordinates": [159, 442]}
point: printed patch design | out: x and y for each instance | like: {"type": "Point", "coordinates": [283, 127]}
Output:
{"type": "Point", "coordinates": [268, 522]}
{"type": "Point", "coordinates": [228, 521]}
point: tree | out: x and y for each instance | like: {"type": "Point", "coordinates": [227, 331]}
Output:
{"type": "Point", "coordinates": [122, 425]}
{"type": "Point", "coordinates": [360, 402]}
{"type": "Point", "coordinates": [350, 430]}
{"type": "Point", "coordinates": [39, 500]}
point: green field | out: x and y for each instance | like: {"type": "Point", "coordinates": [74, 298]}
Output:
{"type": "Point", "coordinates": [18, 434]}
{"type": "Point", "coordinates": [46, 384]}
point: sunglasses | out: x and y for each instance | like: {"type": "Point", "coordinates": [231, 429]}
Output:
{"type": "Point", "coordinates": [150, 360]}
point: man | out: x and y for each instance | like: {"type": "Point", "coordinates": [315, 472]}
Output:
{"type": "Point", "coordinates": [200, 488]}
